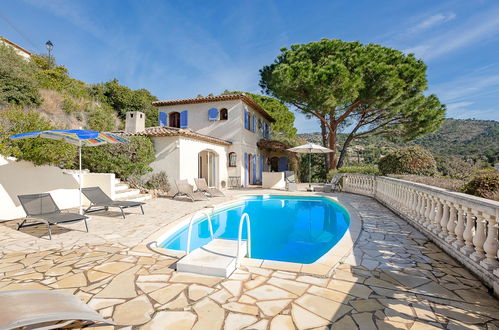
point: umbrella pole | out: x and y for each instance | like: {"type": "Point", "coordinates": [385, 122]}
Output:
{"type": "Point", "coordinates": [310, 171]}
{"type": "Point", "coordinates": [80, 178]}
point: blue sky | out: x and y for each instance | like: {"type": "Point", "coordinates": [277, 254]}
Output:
{"type": "Point", "coordinates": [178, 49]}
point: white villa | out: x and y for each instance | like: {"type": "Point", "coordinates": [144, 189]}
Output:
{"type": "Point", "coordinates": [224, 139]}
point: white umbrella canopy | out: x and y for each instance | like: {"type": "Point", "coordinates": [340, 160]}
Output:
{"type": "Point", "coordinates": [310, 148]}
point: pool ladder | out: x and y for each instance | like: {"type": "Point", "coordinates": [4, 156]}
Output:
{"type": "Point", "coordinates": [245, 219]}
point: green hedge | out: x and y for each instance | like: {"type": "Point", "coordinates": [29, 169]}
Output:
{"type": "Point", "coordinates": [485, 185]}
{"type": "Point", "coordinates": [40, 151]}
{"type": "Point", "coordinates": [369, 169]}
{"type": "Point", "coordinates": [408, 160]}
{"type": "Point", "coordinates": [123, 159]}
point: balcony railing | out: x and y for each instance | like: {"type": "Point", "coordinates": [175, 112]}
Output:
{"type": "Point", "coordinates": [465, 226]}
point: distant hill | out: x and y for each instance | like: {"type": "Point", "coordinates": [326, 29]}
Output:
{"type": "Point", "coordinates": [467, 138]}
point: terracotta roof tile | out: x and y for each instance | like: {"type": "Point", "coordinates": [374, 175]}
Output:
{"type": "Point", "coordinates": [172, 131]}
{"type": "Point", "coordinates": [226, 97]}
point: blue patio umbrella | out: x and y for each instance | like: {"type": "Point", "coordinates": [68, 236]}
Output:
{"type": "Point", "coordinates": [78, 137]}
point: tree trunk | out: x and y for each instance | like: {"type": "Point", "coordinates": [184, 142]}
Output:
{"type": "Point", "coordinates": [343, 153]}
{"type": "Point", "coordinates": [332, 144]}
{"type": "Point", "coordinates": [324, 143]}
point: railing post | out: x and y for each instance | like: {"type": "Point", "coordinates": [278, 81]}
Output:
{"type": "Point", "coordinates": [479, 238]}
{"type": "Point", "coordinates": [459, 230]}
{"type": "Point", "coordinates": [444, 219]}
{"type": "Point", "coordinates": [451, 224]}
{"type": "Point", "coordinates": [468, 233]}
{"type": "Point", "coordinates": [491, 245]}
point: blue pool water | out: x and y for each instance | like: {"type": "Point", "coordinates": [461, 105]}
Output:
{"type": "Point", "coordinates": [283, 228]}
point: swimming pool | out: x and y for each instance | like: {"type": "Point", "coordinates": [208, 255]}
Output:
{"type": "Point", "coordinates": [283, 228]}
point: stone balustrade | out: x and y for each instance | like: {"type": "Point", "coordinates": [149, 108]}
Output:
{"type": "Point", "coordinates": [465, 226]}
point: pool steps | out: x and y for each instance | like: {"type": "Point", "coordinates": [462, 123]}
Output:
{"type": "Point", "coordinates": [217, 258]}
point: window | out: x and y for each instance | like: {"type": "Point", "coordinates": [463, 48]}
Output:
{"type": "Point", "coordinates": [232, 159]}
{"type": "Point", "coordinates": [259, 124]}
{"type": "Point", "coordinates": [174, 119]}
{"type": "Point", "coordinates": [224, 114]}
{"type": "Point", "coordinates": [248, 120]}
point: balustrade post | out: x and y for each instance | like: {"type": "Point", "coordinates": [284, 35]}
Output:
{"type": "Point", "coordinates": [432, 214]}
{"type": "Point", "coordinates": [479, 238]}
{"type": "Point", "coordinates": [459, 230]}
{"type": "Point", "coordinates": [427, 221]}
{"type": "Point", "coordinates": [444, 219]}
{"type": "Point", "coordinates": [491, 245]}
{"type": "Point", "coordinates": [451, 224]}
{"type": "Point", "coordinates": [468, 233]}
{"type": "Point", "coordinates": [437, 216]}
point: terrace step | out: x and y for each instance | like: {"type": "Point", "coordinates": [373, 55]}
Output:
{"type": "Point", "coordinates": [217, 258]}
{"type": "Point", "coordinates": [121, 187]}
{"type": "Point", "coordinates": [129, 193]}
{"type": "Point", "coordinates": [139, 198]}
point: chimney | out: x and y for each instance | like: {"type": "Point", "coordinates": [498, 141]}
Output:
{"type": "Point", "coordinates": [135, 122]}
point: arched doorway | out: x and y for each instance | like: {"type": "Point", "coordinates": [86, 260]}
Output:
{"type": "Point", "coordinates": [208, 167]}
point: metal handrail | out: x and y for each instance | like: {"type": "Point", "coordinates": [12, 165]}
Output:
{"type": "Point", "coordinates": [245, 216]}
{"type": "Point", "coordinates": [189, 233]}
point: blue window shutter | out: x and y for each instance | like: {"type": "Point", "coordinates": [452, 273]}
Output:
{"type": "Point", "coordinates": [163, 119]}
{"type": "Point", "coordinates": [254, 124]}
{"type": "Point", "coordinates": [254, 169]}
{"type": "Point", "coordinates": [212, 114]}
{"type": "Point", "coordinates": [261, 168]}
{"type": "Point", "coordinates": [246, 179]}
{"type": "Point", "coordinates": [283, 164]}
{"type": "Point", "coordinates": [246, 122]}
{"type": "Point", "coordinates": [183, 119]}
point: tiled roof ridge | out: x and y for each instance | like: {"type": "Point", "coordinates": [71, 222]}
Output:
{"type": "Point", "coordinates": [174, 131]}
{"type": "Point", "coordinates": [225, 97]}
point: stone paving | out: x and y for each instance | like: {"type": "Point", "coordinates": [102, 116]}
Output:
{"type": "Point", "coordinates": [393, 278]}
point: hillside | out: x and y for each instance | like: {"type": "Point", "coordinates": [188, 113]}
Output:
{"type": "Point", "coordinates": [466, 138]}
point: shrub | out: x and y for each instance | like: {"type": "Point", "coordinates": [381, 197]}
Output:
{"type": "Point", "coordinates": [158, 181]}
{"type": "Point", "coordinates": [485, 185]}
{"type": "Point", "coordinates": [101, 118]}
{"type": "Point", "coordinates": [369, 169]}
{"type": "Point", "coordinates": [123, 159]}
{"type": "Point", "coordinates": [17, 82]}
{"type": "Point", "coordinates": [40, 151]}
{"type": "Point", "coordinates": [69, 106]}
{"type": "Point", "coordinates": [408, 160]}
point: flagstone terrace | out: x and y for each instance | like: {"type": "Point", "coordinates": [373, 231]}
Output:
{"type": "Point", "coordinates": [393, 277]}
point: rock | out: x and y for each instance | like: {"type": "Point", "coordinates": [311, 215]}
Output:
{"type": "Point", "coordinates": [122, 286]}
{"type": "Point", "coordinates": [305, 319]}
{"type": "Point", "coordinates": [241, 308]}
{"type": "Point", "coordinates": [166, 294]}
{"type": "Point", "coordinates": [238, 321]}
{"type": "Point", "coordinates": [171, 321]}
{"type": "Point", "coordinates": [282, 322]}
{"type": "Point", "coordinates": [328, 309]}
{"type": "Point", "coordinates": [273, 307]}
{"type": "Point", "coordinates": [210, 315]}
{"type": "Point", "coordinates": [134, 312]}
{"type": "Point", "coordinates": [269, 292]}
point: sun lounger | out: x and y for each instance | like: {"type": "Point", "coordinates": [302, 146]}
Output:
{"type": "Point", "coordinates": [289, 177]}
{"type": "Point", "coordinates": [185, 189]}
{"type": "Point", "coordinates": [43, 309]}
{"type": "Point", "coordinates": [98, 198]}
{"type": "Point", "coordinates": [334, 184]}
{"type": "Point", "coordinates": [203, 187]}
{"type": "Point", "coordinates": [42, 207]}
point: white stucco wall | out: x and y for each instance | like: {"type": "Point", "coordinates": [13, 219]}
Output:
{"type": "Point", "coordinates": [243, 140]}
{"type": "Point", "coordinates": [178, 157]}
{"type": "Point", "coordinates": [21, 177]}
